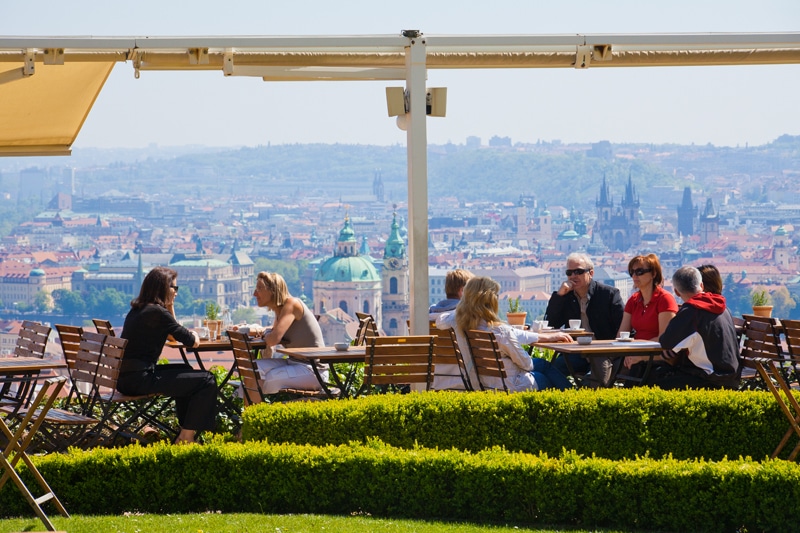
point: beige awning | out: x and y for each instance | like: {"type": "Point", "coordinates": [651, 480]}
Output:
{"type": "Point", "coordinates": [42, 113]}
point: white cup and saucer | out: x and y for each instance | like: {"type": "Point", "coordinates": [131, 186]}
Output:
{"type": "Point", "coordinates": [575, 324]}
{"type": "Point", "coordinates": [625, 336]}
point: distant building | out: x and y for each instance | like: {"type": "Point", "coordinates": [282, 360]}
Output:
{"type": "Point", "coordinates": [395, 296]}
{"type": "Point", "coordinates": [618, 226]}
{"type": "Point", "coordinates": [709, 223]}
{"type": "Point", "coordinates": [22, 286]}
{"type": "Point", "coordinates": [687, 214]}
{"type": "Point", "coordinates": [348, 280]}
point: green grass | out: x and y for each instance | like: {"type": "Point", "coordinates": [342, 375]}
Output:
{"type": "Point", "coordinates": [245, 523]}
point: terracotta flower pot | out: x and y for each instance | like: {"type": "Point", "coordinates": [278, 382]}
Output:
{"type": "Point", "coordinates": [516, 319]}
{"type": "Point", "coordinates": [762, 310]}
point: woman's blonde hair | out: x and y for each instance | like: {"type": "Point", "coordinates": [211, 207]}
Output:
{"type": "Point", "coordinates": [479, 302]}
{"type": "Point", "coordinates": [277, 286]}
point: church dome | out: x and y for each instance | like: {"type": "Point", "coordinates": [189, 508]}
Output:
{"type": "Point", "coordinates": [37, 272]}
{"type": "Point", "coordinates": [352, 268]}
{"type": "Point", "coordinates": [568, 234]}
{"type": "Point", "coordinates": [781, 232]}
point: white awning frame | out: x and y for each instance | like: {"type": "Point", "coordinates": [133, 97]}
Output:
{"type": "Point", "coordinates": [405, 56]}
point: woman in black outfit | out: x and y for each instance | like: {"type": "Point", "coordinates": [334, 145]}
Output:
{"type": "Point", "coordinates": [148, 324]}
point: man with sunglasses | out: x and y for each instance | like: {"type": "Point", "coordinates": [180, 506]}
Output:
{"type": "Point", "coordinates": [599, 308]}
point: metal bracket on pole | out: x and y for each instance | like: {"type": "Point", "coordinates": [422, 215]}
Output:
{"type": "Point", "coordinates": [198, 56]}
{"type": "Point", "coordinates": [29, 64]}
{"type": "Point", "coordinates": [54, 56]}
{"type": "Point", "coordinates": [227, 62]}
{"type": "Point", "coordinates": [583, 56]}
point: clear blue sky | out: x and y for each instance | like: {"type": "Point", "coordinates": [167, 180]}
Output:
{"type": "Point", "coordinates": [720, 105]}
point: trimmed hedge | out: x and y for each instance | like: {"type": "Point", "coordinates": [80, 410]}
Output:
{"type": "Point", "coordinates": [489, 486]}
{"type": "Point", "coordinates": [613, 423]}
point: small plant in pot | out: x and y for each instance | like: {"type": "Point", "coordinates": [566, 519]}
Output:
{"type": "Point", "coordinates": [515, 315]}
{"type": "Point", "coordinates": [761, 302]}
{"type": "Point", "coordinates": [212, 320]}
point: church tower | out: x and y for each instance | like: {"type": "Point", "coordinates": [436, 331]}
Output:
{"type": "Point", "coordinates": [709, 223]}
{"type": "Point", "coordinates": [618, 227]}
{"type": "Point", "coordinates": [395, 283]}
{"type": "Point", "coordinates": [687, 214]}
{"type": "Point", "coordinates": [377, 185]}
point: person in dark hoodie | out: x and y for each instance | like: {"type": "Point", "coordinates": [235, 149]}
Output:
{"type": "Point", "coordinates": [699, 344]}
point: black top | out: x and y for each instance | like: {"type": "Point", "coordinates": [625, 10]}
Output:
{"type": "Point", "coordinates": [604, 310]}
{"type": "Point", "coordinates": [147, 329]}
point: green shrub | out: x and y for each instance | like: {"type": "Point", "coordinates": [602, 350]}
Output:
{"type": "Point", "coordinates": [492, 485]}
{"type": "Point", "coordinates": [610, 423]}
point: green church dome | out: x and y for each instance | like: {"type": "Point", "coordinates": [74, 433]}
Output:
{"type": "Point", "coordinates": [353, 268]}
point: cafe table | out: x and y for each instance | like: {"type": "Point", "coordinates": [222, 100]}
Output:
{"type": "Point", "coordinates": [24, 371]}
{"type": "Point", "coordinates": [328, 355]}
{"type": "Point", "coordinates": [607, 348]}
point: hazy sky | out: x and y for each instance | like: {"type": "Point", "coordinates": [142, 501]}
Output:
{"type": "Point", "coordinates": [720, 105]}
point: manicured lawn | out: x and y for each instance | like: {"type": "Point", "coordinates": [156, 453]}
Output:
{"type": "Point", "coordinates": [254, 523]}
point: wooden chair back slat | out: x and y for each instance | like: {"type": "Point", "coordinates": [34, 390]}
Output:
{"type": "Point", "coordinates": [399, 360]}
{"type": "Point", "coordinates": [103, 327]}
{"type": "Point", "coordinates": [486, 358]}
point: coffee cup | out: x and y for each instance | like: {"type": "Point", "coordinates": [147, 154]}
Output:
{"type": "Point", "coordinates": [584, 340]}
{"type": "Point", "coordinates": [624, 334]}
{"type": "Point", "coordinates": [575, 324]}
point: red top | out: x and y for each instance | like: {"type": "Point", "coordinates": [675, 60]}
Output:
{"type": "Point", "coordinates": [644, 319]}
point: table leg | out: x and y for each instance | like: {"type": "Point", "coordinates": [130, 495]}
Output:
{"type": "Point", "coordinates": [18, 444]}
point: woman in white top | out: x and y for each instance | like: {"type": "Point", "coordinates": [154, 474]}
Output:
{"type": "Point", "coordinates": [295, 326]}
{"type": "Point", "coordinates": [478, 310]}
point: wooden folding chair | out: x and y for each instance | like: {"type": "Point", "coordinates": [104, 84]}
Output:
{"type": "Point", "coordinates": [250, 377]}
{"type": "Point", "coordinates": [447, 357]}
{"type": "Point", "coordinates": [246, 367]}
{"type": "Point", "coordinates": [124, 415]}
{"type": "Point", "coordinates": [31, 342]}
{"type": "Point", "coordinates": [366, 328]}
{"type": "Point", "coordinates": [16, 448]}
{"type": "Point", "coordinates": [760, 339]}
{"type": "Point", "coordinates": [791, 334]}
{"type": "Point", "coordinates": [393, 362]}
{"type": "Point", "coordinates": [487, 360]}
{"type": "Point", "coordinates": [103, 327]}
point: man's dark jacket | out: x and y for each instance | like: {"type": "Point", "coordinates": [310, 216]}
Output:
{"type": "Point", "coordinates": [604, 310]}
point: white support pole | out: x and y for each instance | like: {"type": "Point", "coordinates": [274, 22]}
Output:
{"type": "Point", "coordinates": [417, 139]}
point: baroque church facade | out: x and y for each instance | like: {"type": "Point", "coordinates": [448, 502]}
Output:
{"type": "Point", "coordinates": [351, 282]}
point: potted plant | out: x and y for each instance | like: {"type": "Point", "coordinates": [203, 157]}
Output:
{"type": "Point", "coordinates": [515, 315]}
{"type": "Point", "coordinates": [212, 320]}
{"type": "Point", "coordinates": [761, 303]}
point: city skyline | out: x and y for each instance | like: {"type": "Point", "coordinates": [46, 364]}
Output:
{"type": "Point", "coordinates": [685, 105]}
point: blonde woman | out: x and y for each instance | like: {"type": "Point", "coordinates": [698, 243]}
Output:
{"type": "Point", "coordinates": [478, 309]}
{"type": "Point", "coordinates": [295, 327]}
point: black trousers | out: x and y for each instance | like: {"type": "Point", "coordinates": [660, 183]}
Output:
{"type": "Point", "coordinates": [194, 391]}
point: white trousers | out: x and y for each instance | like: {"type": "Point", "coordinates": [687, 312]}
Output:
{"type": "Point", "coordinates": [277, 374]}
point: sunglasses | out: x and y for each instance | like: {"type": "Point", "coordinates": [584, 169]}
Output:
{"type": "Point", "coordinates": [577, 271]}
{"type": "Point", "coordinates": [639, 271]}
{"type": "Point", "coordinates": [174, 287]}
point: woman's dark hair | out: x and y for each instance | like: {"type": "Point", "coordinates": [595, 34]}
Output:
{"type": "Point", "coordinates": [155, 288]}
{"type": "Point", "coordinates": [712, 280]}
